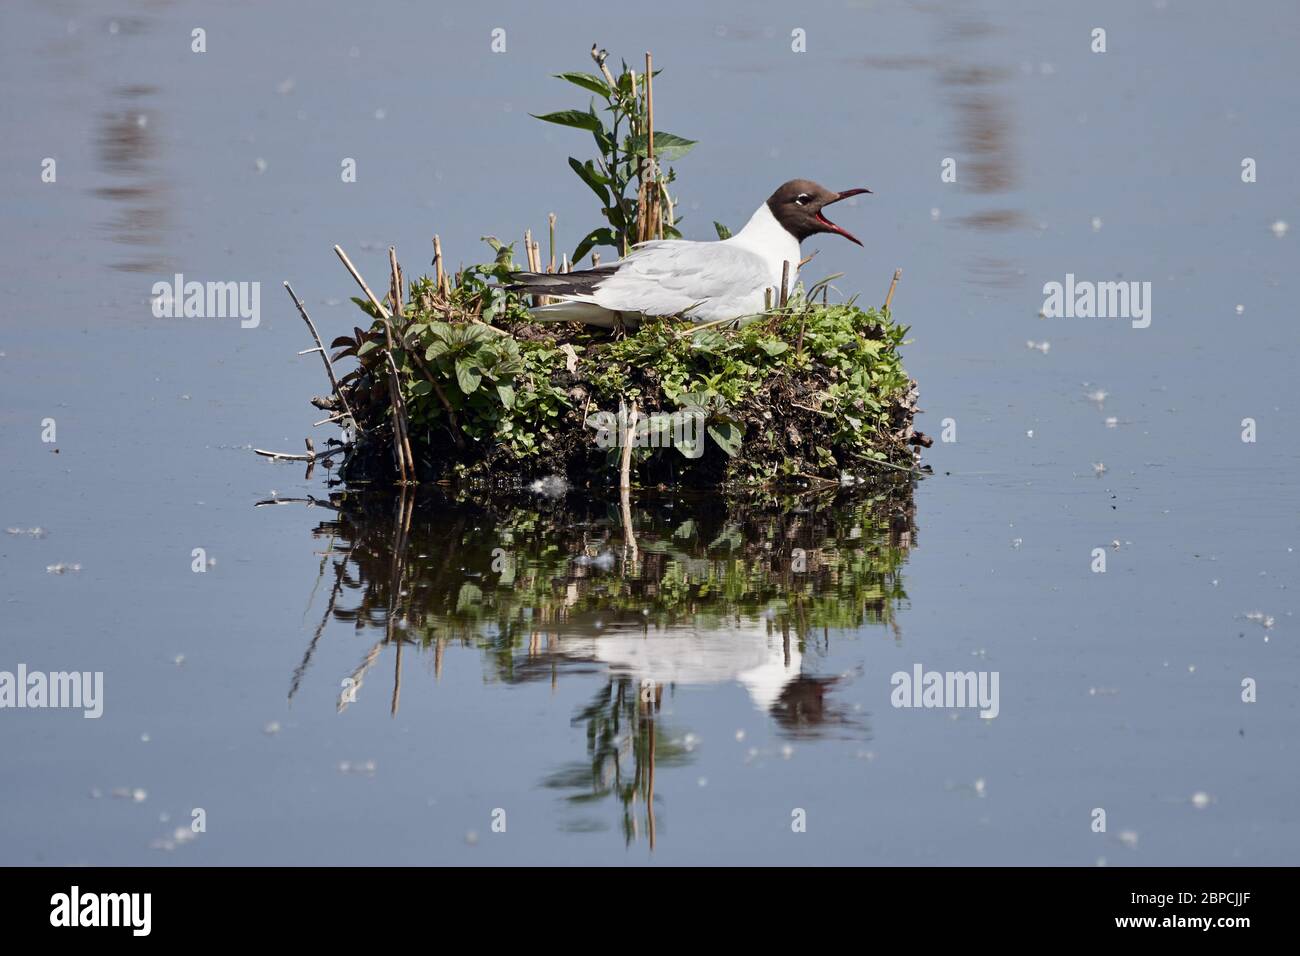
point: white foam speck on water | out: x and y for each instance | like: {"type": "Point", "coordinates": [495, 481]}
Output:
{"type": "Point", "coordinates": [179, 837]}
{"type": "Point", "coordinates": [363, 767]}
{"type": "Point", "coordinates": [62, 568]}
{"type": "Point", "coordinates": [1259, 617]}
{"type": "Point", "coordinates": [272, 728]}
{"type": "Point", "coordinates": [1201, 799]}
{"type": "Point", "coordinates": [1280, 228]}
{"type": "Point", "coordinates": [30, 532]}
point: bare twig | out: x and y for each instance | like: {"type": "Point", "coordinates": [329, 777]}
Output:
{"type": "Point", "coordinates": [599, 56]}
{"type": "Point", "coordinates": [898, 273]}
{"type": "Point", "coordinates": [785, 282]}
{"type": "Point", "coordinates": [629, 439]}
{"type": "Point", "coordinates": [437, 265]}
{"type": "Point", "coordinates": [401, 422]}
{"type": "Point", "coordinates": [654, 229]}
{"type": "Point", "coordinates": [395, 282]}
{"type": "Point", "coordinates": [329, 366]}
{"type": "Point", "coordinates": [817, 478]}
{"type": "Point", "coordinates": [414, 353]}
{"type": "Point", "coordinates": [705, 325]}
{"type": "Point", "coordinates": [286, 456]}
{"type": "Point", "coordinates": [888, 464]}
{"type": "Point", "coordinates": [347, 264]}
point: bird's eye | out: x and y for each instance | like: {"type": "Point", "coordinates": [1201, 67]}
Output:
{"type": "Point", "coordinates": [802, 198]}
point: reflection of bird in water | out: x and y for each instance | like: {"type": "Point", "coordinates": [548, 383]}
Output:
{"type": "Point", "coordinates": [760, 661]}
{"type": "Point", "coordinates": [761, 657]}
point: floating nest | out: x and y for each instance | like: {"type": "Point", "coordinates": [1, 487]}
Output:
{"type": "Point", "coordinates": [450, 380]}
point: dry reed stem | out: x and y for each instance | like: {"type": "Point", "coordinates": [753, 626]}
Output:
{"type": "Point", "coordinates": [415, 354]}
{"type": "Point", "coordinates": [629, 438]}
{"type": "Point", "coordinates": [898, 273]}
{"type": "Point", "coordinates": [329, 366]}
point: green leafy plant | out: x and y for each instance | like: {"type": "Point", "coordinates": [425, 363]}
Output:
{"type": "Point", "coordinates": [625, 175]}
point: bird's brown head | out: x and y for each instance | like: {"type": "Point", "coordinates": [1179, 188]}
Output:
{"type": "Point", "coordinates": [798, 206]}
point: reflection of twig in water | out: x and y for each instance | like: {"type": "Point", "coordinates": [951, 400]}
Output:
{"type": "Point", "coordinates": [310, 501]}
{"type": "Point", "coordinates": [301, 669]}
{"type": "Point", "coordinates": [629, 536]}
{"type": "Point", "coordinates": [320, 576]}
{"type": "Point", "coordinates": [359, 675]}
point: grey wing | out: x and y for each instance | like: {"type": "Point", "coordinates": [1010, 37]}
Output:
{"type": "Point", "coordinates": [673, 276]}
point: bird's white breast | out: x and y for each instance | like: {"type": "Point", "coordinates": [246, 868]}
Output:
{"type": "Point", "coordinates": [767, 238]}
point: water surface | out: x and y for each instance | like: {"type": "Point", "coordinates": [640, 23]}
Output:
{"type": "Point", "coordinates": [521, 688]}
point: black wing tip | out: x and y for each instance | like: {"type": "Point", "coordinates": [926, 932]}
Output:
{"type": "Point", "coordinates": [559, 283]}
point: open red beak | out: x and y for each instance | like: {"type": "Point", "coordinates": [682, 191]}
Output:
{"type": "Point", "coordinates": [830, 226]}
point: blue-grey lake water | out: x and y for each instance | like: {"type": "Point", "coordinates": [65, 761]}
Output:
{"type": "Point", "coordinates": [366, 686]}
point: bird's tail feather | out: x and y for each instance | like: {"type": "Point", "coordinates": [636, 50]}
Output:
{"type": "Point", "coordinates": [582, 282]}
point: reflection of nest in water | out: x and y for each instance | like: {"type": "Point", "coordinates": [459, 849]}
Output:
{"type": "Point", "coordinates": [560, 583]}
{"type": "Point", "coordinates": [674, 591]}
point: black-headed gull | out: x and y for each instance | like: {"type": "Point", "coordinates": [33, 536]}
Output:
{"type": "Point", "coordinates": [705, 281]}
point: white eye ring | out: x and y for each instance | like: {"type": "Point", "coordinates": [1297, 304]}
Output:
{"type": "Point", "coordinates": [801, 199]}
